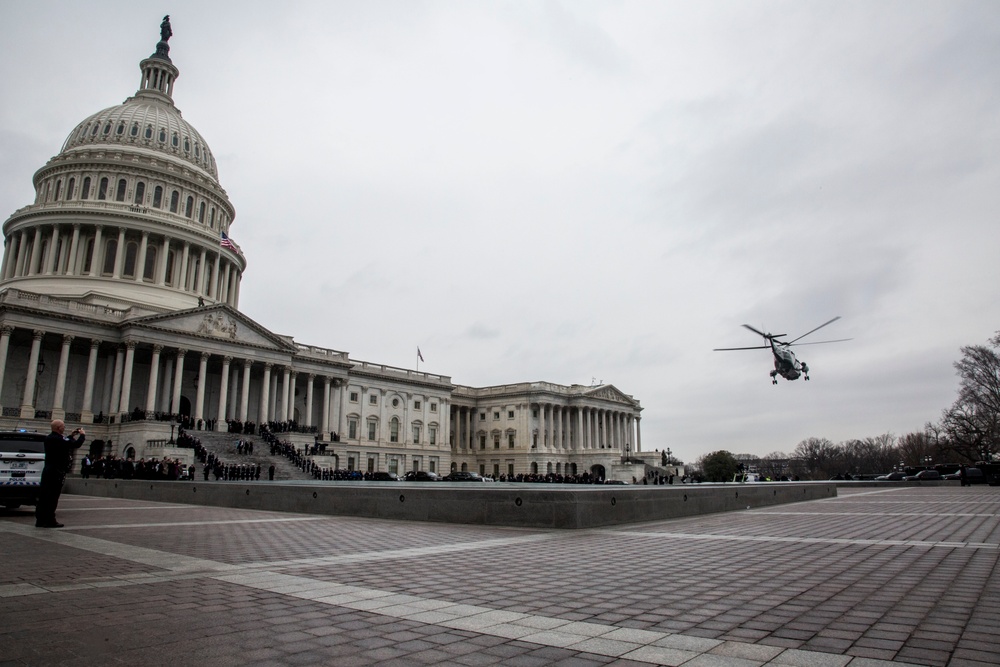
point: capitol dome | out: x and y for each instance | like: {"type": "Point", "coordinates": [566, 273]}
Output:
{"type": "Point", "coordinates": [130, 213]}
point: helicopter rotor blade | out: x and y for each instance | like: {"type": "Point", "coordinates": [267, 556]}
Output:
{"type": "Point", "coordinates": [820, 342]}
{"type": "Point", "coordinates": [761, 333]}
{"type": "Point", "coordinates": [731, 349]}
{"type": "Point", "coordinates": [814, 330]}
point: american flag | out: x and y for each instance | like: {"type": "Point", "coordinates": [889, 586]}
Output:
{"type": "Point", "coordinates": [419, 356]}
{"type": "Point", "coordinates": [227, 242]}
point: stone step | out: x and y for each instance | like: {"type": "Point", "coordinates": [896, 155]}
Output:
{"type": "Point", "coordinates": [223, 445]}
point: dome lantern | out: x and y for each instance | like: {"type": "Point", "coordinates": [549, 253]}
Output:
{"type": "Point", "coordinates": [158, 72]}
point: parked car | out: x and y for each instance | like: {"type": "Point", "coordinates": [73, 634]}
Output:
{"type": "Point", "coordinates": [972, 476]}
{"type": "Point", "coordinates": [923, 475]}
{"type": "Point", "coordinates": [460, 476]}
{"type": "Point", "coordinates": [385, 477]}
{"type": "Point", "coordinates": [895, 476]}
{"type": "Point", "coordinates": [421, 476]}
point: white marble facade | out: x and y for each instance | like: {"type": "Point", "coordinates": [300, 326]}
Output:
{"type": "Point", "coordinates": [119, 297]}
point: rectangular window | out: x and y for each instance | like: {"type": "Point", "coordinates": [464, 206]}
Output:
{"type": "Point", "coordinates": [496, 470]}
{"type": "Point", "coordinates": [350, 463]}
{"type": "Point", "coordinates": [482, 442]}
{"type": "Point", "coordinates": [371, 464]}
{"type": "Point", "coordinates": [352, 429]}
{"type": "Point", "coordinates": [372, 399]}
{"type": "Point", "coordinates": [482, 416]}
{"type": "Point", "coordinates": [393, 430]}
{"type": "Point", "coordinates": [416, 433]}
{"type": "Point", "coordinates": [354, 397]}
{"type": "Point", "coordinates": [510, 440]}
{"type": "Point", "coordinates": [434, 407]}
{"type": "Point", "coordinates": [510, 414]}
{"type": "Point", "coordinates": [482, 468]}
{"type": "Point", "coordinates": [416, 405]}
{"type": "Point", "coordinates": [432, 432]}
{"type": "Point", "coordinates": [393, 466]}
{"type": "Point", "coordinates": [496, 441]}
{"type": "Point", "coordinates": [371, 430]}
{"type": "Point", "coordinates": [510, 469]}
{"type": "Point", "coordinates": [432, 465]}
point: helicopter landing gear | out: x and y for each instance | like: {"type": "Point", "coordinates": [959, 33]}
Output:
{"type": "Point", "coordinates": [805, 371]}
{"type": "Point", "coordinates": [774, 378]}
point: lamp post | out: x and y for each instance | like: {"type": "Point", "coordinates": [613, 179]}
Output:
{"type": "Point", "coordinates": [173, 425]}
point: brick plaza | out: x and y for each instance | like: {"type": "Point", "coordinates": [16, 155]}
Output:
{"type": "Point", "coordinates": [876, 576]}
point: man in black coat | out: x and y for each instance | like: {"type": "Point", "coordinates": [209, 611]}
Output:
{"type": "Point", "coordinates": [58, 458]}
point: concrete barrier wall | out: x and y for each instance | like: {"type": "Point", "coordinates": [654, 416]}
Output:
{"type": "Point", "coordinates": [521, 505]}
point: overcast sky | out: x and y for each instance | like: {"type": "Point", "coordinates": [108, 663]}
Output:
{"type": "Point", "coordinates": [581, 192]}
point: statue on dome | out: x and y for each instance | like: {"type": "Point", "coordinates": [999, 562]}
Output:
{"type": "Point", "coordinates": [165, 31]}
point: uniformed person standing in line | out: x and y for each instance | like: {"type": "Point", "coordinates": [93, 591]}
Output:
{"type": "Point", "coordinates": [58, 458]}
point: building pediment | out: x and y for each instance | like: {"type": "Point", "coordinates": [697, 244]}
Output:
{"type": "Point", "coordinates": [219, 322]}
{"type": "Point", "coordinates": [609, 392]}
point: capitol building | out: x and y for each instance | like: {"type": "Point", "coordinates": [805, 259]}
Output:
{"type": "Point", "coordinates": [119, 311]}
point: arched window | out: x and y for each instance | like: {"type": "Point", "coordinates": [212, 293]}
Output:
{"type": "Point", "coordinates": [140, 193]}
{"type": "Point", "coordinates": [58, 190]}
{"type": "Point", "coordinates": [135, 130]}
{"type": "Point", "coordinates": [85, 191]}
{"type": "Point", "coordinates": [201, 213]}
{"type": "Point", "coordinates": [394, 430]}
{"type": "Point", "coordinates": [158, 196]}
{"type": "Point", "coordinates": [149, 132]}
{"type": "Point", "coordinates": [93, 132]}
{"type": "Point", "coordinates": [175, 141]}
{"type": "Point", "coordinates": [89, 256]}
{"type": "Point", "coordinates": [70, 189]}
{"type": "Point", "coordinates": [121, 128]}
{"type": "Point", "coordinates": [187, 145]}
{"type": "Point", "coordinates": [174, 201]}
{"type": "Point", "coordinates": [110, 254]}
{"type": "Point", "coordinates": [120, 193]}
{"type": "Point", "coordinates": [102, 189]}
{"type": "Point", "coordinates": [189, 207]}
{"type": "Point", "coordinates": [150, 267]}
{"type": "Point", "coordinates": [131, 250]}
{"type": "Point", "coordinates": [211, 218]}
{"type": "Point", "coordinates": [107, 128]}
{"type": "Point", "coordinates": [163, 136]}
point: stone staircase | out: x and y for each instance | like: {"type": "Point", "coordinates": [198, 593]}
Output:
{"type": "Point", "coordinates": [223, 445]}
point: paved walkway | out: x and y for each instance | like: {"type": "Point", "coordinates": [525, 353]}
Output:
{"type": "Point", "coordinates": [907, 575]}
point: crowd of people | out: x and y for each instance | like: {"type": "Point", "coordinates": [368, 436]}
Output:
{"type": "Point", "coordinates": [115, 467]}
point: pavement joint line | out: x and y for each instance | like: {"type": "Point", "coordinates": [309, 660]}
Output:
{"type": "Point", "coordinates": [812, 540]}
{"type": "Point", "coordinates": [196, 523]}
{"type": "Point", "coordinates": [649, 646]}
{"type": "Point", "coordinates": [833, 514]}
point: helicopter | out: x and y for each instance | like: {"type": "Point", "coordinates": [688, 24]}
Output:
{"type": "Point", "coordinates": [785, 363]}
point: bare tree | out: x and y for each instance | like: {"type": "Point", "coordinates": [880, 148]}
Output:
{"type": "Point", "coordinates": [819, 456]}
{"type": "Point", "coordinates": [971, 426]}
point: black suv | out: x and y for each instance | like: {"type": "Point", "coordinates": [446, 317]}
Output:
{"type": "Point", "coordinates": [459, 476]}
{"type": "Point", "coordinates": [421, 476]}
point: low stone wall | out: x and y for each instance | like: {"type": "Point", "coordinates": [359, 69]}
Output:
{"type": "Point", "coordinates": [521, 505]}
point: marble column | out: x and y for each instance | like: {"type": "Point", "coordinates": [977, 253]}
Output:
{"type": "Point", "coordinates": [87, 409]}
{"type": "Point", "coordinates": [265, 389]}
{"type": "Point", "coordinates": [127, 376]}
{"type": "Point", "coordinates": [283, 408]}
{"type": "Point", "coordinates": [116, 382]}
{"type": "Point", "coordinates": [175, 404]}
{"type": "Point", "coordinates": [140, 266]}
{"type": "Point", "coordinates": [96, 254]}
{"type": "Point", "coordinates": [221, 425]}
{"type": "Point", "coordinates": [245, 392]}
{"type": "Point", "coordinates": [199, 403]}
{"type": "Point", "coordinates": [324, 424]}
{"type": "Point", "coordinates": [310, 380]}
{"type": "Point", "coordinates": [74, 250]}
{"type": "Point", "coordinates": [154, 377]}
{"type": "Point", "coordinates": [31, 375]}
{"type": "Point", "coordinates": [58, 409]}
{"type": "Point", "coordinates": [5, 332]}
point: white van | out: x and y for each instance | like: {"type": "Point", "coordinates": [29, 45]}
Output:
{"type": "Point", "coordinates": [22, 456]}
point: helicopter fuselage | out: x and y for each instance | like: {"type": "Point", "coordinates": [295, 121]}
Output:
{"type": "Point", "coordinates": [785, 363]}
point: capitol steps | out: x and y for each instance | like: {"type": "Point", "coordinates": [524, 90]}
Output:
{"type": "Point", "coordinates": [223, 445]}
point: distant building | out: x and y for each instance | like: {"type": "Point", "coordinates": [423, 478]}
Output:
{"type": "Point", "coordinates": [119, 309]}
